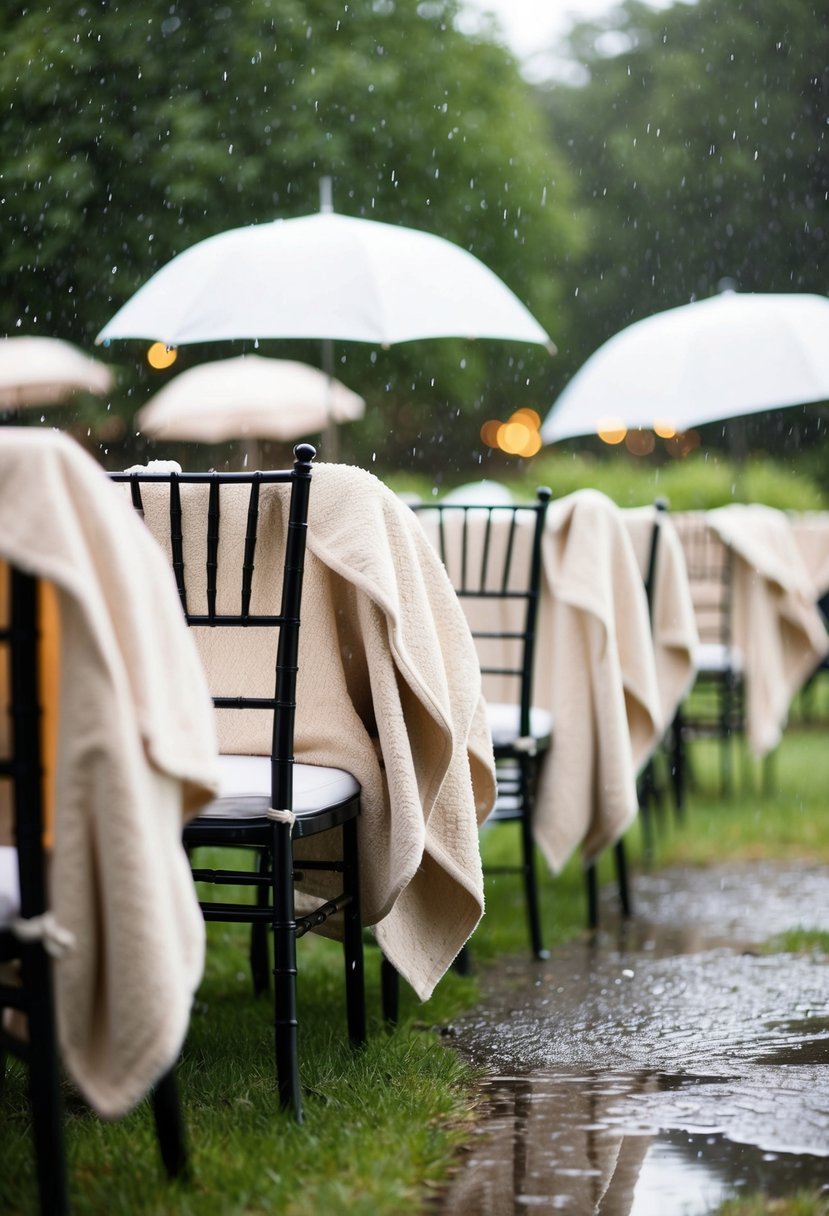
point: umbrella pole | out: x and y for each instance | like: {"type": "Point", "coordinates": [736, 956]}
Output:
{"type": "Point", "coordinates": [332, 438]}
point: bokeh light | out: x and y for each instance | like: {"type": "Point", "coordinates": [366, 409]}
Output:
{"type": "Point", "coordinates": [160, 356]}
{"type": "Point", "coordinates": [520, 435]}
{"type": "Point", "coordinates": [640, 442]}
{"type": "Point", "coordinates": [682, 444]}
{"type": "Point", "coordinates": [611, 430]}
{"type": "Point", "coordinates": [489, 432]}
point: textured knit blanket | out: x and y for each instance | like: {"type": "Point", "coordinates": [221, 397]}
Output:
{"type": "Point", "coordinates": [596, 671]}
{"type": "Point", "coordinates": [389, 689]}
{"type": "Point", "coordinates": [776, 622]}
{"type": "Point", "coordinates": [136, 755]}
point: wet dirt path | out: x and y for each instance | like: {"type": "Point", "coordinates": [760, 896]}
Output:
{"type": "Point", "coordinates": [662, 1065]}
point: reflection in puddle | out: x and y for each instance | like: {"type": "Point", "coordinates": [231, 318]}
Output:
{"type": "Point", "coordinates": [615, 1144]}
{"type": "Point", "coordinates": [666, 1184]}
{"type": "Point", "coordinates": [660, 1068]}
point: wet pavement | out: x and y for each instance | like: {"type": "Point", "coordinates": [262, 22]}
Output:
{"type": "Point", "coordinates": [663, 1064]}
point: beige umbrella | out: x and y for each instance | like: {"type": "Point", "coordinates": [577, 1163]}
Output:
{"type": "Point", "coordinates": [248, 397]}
{"type": "Point", "coordinates": [42, 371]}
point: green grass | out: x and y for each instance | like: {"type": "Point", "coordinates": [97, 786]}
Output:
{"type": "Point", "coordinates": [799, 941]}
{"type": "Point", "coordinates": [802, 1204]}
{"type": "Point", "coordinates": [706, 479]}
{"type": "Point", "coordinates": [382, 1126]}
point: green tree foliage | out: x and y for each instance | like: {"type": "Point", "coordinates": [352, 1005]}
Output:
{"type": "Point", "coordinates": [699, 142]}
{"type": "Point", "coordinates": [133, 128]}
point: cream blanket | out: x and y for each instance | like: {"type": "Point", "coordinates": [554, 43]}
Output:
{"type": "Point", "coordinates": [811, 533]}
{"type": "Point", "coordinates": [136, 754]}
{"type": "Point", "coordinates": [776, 622]}
{"type": "Point", "coordinates": [388, 689]}
{"type": "Point", "coordinates": [596, 672]}
{"type": "Point", "coordinates": [673, 623]}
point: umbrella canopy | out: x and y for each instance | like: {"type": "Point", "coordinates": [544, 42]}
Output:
{"type": "Point", "coordinates": [731, 355]}
{"type": "Point", "coordinates": [42, 371]}
{"type": "Point", "coordinates": [325, 276]}
{"type": "Point", "coordinates": [248, 397]}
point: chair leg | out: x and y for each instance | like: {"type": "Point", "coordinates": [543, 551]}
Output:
{"type": "Point", "coordinates": [678, 764]}
{"type": "Point", "coordinates": [645, 798]}
{"type": "Point", "coordinates": [44, 1086]}
{"type": "Point", "coordinates": [531, 883]}
{"type": "Point", "coordinates": [462, 962]}
{"type": "Point", "coordinates": [284, 971]}
{"type": "Point", "coordinates": [726, 736]}
{"type": "Point", "coordinates": [390, 992]}
{"type": "Point", "coordinates": [355, 987]}
{"type": "Point", "coordinates": [592, 881]}
{"type": "Point", "coordinates": [623, 878]}
{"type": "Point", "coordinates": [259, 960]}
{"type": "Point", "coordinates": [169, 1125]}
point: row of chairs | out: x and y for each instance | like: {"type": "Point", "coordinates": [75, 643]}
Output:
{"type": "Point", "coordinates": [268, 804]}
{"type": "Point", "coordinates": [264, 806]}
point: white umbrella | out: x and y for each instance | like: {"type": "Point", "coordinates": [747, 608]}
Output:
{"type": "Point", "coordinates": [325, 276]}
{"type": "Point", "coordinates": [724, 357]}
{"type": "Point", "coordinates": [248, 397]}
{"type": "Point", "coordinates": [42, 371]}
{"type": "Point", "coordinates": [485, 492]}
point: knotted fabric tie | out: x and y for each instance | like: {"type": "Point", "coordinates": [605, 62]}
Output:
{"type": "Point", "coordinates": [281, 816]}
{"type": "Point", "coordinates": [56, 940]}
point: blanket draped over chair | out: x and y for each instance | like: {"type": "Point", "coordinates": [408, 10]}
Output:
{"type": "Point", "coordinates": [595, 671]}
{"type": "Point", "coordinates": [776, 622]}
{"type": "Point", "coordinates": [136, 755]}
{"type": "Point", "coordinates": [673, 624]}
{"type": "Point", "coordinates": [389, 689]}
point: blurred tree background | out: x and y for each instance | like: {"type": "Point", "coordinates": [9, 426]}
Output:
{"type": "Point", "coordinates": [691, 148]}
{"type": "Point", "coordinates": [699, 139]}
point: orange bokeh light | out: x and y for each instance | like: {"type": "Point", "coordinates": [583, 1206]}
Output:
{"type": "Point", "coordinates": [160, 356]}
{"type": "Point", "coordinates": [513, 436]}
{"type": "Point", "coordinates": [640, 442]}
{"type": "Point", "coordinates": [520, 436]}
{"type": "Point", "coordinates": [611, 430]}
{"type": "Point", "coordinates": [529, 417]}
{"type": "Point", "coordinates": [682, 444]}
{"type": "Point", "coordinates": [489, 433]}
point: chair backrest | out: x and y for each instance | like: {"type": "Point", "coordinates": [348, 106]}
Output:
{"type": "Point", "coordinates": [21, 768]}
{"type": "Point", "coordinates": [660, 508]}
{"type": "Point", "coordinates": [185, 513]}
{"type": "Point", "coordinates": [710, 565]}
{"type": "Point", "coordinates": [492, 554]}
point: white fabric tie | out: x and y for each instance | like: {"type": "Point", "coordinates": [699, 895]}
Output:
{"type": "Point", "coordinates": [281, 816]}
{"type": "Point", "coordinates": [56, 940]}
{"type": "Point", "coordinates": [527, 744]}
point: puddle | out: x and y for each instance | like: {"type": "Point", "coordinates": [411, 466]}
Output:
{"type": "Point", "coordinates": [658, 1067]}
{"type": "Point", "coordinates": [578, 1142]}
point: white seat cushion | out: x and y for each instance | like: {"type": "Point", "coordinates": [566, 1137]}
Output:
{"type": "Point", "coordinates": [503, 723]}
{"type": "Point", "coordinates": [9, 886]}
{"type": "Point", "coordinates": [715, 658]}
{"type": "Point", "coordinates": [245, 788]}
